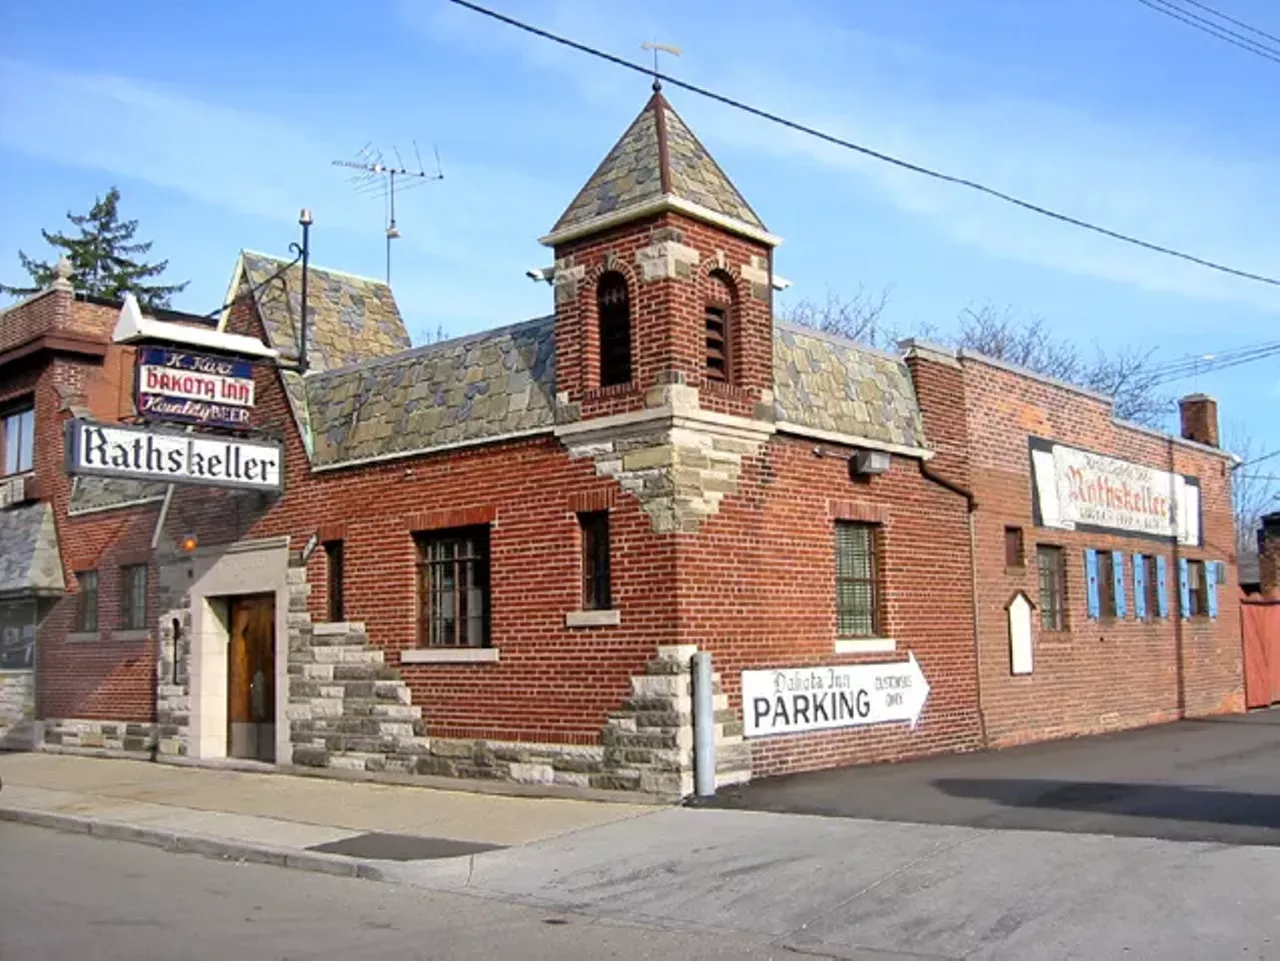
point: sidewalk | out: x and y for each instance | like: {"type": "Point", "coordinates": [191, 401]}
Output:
{"type": "Point", "coordinates": [338, 827]}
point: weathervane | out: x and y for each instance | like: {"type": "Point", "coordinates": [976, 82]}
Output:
{"type": "Point", "coordinates": [374, 176]}
{"type": "Point", "coordinates": [658, 48]}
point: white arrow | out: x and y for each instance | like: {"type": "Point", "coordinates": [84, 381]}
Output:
{"type": "Point", "coordinates": [790, 700]}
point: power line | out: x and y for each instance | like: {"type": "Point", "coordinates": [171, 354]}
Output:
{"type": "Point", "coordinates": [1210, 362]}
{"type": "Point", "coordinates": [1214, 30]}
{"type": "Point", "coordinates": [858, 148]}
{"type": "Point", "coordinates": [1239, 23]}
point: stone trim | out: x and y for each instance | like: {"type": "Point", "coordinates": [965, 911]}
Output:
{"type": "Point", "coordinates": [865, 645]}
{"type": "Point", "coordinates": [131, 636]}
{"type": "Point", "coordinates": [83, 637]}
{"type": "Point", "coordinates": [18, 710]}
{"type": "Point", "coordinates": [110, 738]}
{"type": "Point", "coordinates": [610, 618]}
{"type": "Point", "coordinates": [662, 204]}
{"type": "Point", "coordinates": [450, 655]}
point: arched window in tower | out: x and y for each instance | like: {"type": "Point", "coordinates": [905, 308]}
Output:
{"type": "Point", "coordinates": [614, 308]}
{"type": "Point", "coordinates": [719, 323]}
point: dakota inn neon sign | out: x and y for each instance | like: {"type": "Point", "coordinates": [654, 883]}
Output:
{"type": "Point", "coordinates": [176, 385]}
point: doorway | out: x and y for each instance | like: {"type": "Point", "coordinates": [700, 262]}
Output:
{"type": "Point", "coordinates": [251, 671]}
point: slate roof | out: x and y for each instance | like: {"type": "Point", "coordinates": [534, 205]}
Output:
{"type": "Point", "coordinates": [90, 494]}
{"type": "Point", "coordinates": [29, 560]}
{"type": "Point", "coordinates": [487, 385]}
{"type": "Point", "coordinates": [351, 319]}
{"type": "Point", "coordinates": [657, 156]}
{"type": "Point", "coordinates": [829, 383]}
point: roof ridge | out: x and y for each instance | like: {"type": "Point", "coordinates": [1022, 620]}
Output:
{"type": "Point", "coordinates": [313, 267]}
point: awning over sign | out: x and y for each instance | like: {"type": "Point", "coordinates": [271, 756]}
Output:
{"type": "Point", "coordinates": [29, 562]}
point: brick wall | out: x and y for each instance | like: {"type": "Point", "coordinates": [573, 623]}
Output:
{"type": "Point", "coordinates": [1096, 675]}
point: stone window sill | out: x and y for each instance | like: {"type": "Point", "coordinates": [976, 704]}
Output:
{"type": "Point", "coordinates": [610, 618]}
{"type": "Point", "coordinates": [83, 637]}
{"type": "Point", "coordinates": [450, 655]}
{"type": "Point", "coordinates": [866, 645]}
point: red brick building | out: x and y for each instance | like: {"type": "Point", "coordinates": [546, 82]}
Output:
{"type": "Point", "coordinates": [493, 557]}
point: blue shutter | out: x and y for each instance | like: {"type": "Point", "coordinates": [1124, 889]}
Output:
{"type": "Point", "coordinates": [1091, 580]}
{"type": "Point", "coordinates": [1211, 579]}
{"type": "Point", "coordinates": [1184, 587]}
{"type": "Point", "coordinates": [1117, 581]}
{"type": "Point", "coordinates": [1139, 587]}
{"type": "Point", "coordinates": [1162, 585]}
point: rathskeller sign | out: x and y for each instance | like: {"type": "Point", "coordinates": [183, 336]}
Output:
{"type": "Point", "coordinates": [141, 454]}
{"type": "Point", "coordinates": [1079, 490]}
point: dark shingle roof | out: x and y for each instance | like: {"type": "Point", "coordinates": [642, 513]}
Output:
{"type": "Point", "coordinates": [29, 559]}
{"type": "Point", "coordinates": [657, 156]}
{"type": "Point", "coordinates": [832, 384]}
{"type": "Point", "coordinates": [491, 384]}
{"type": "Point", "coordinates": [90, 494]}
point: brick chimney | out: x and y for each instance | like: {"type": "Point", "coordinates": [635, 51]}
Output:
{"type": "Point", "coordinates": [1199, 419]}
{"type": "Point", "coordinates": [1269, 555]}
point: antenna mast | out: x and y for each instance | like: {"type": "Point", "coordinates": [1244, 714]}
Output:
{"type": "Point", "coordinates": [375, 176]}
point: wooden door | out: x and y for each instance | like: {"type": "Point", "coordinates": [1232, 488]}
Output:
{"type": "Point", "coordinates": [251, 700]}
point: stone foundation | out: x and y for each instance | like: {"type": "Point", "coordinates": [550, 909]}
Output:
{"type": "Point", "coordinates": [17, 710]}
{"type": "Point", "coordinates": [114, 738]}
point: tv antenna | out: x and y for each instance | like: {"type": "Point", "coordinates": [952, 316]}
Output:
{"type": "Point", "coordinates": [376, 176]}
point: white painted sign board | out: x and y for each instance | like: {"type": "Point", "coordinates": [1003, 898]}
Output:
{"type": "Point", "coordinates": [796, 699]}
{"type": "Point", "coordinates": [1020, 656]}
{"type": "Point", "coordinates": [1079, 489]}
{"type": "Point", "coordinates": [117, 450]}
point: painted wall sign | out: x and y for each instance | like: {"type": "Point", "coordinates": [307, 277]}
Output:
{"type": "Point", "coordinates": [1077, 489]}
{"type": "Point", "coordinates": [795, 699]}
{"type": "Point", "coordinates": [192, 388]}
{"type": "Point", "coordinates": [114, 450]}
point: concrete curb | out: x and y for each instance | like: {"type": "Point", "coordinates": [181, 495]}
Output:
{"type": "Point", "coordinates": [189, 842]}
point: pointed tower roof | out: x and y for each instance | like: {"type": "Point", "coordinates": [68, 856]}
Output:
{"type": "Point", "coordinates": [658, 164]}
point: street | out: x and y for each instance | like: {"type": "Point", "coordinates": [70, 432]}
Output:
{"type": "Point", "coordinates": [74, 898]}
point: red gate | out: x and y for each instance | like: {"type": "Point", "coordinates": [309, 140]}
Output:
{"type": "Point", "coordinates": [1260, 626]}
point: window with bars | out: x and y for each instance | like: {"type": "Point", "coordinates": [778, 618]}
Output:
{"type": "Point", "coordinates": [857, 587]}
{"type": "Point", "coordinates": [17, 439]}
{"type": "Point", "coordinates": [613, 304]}
{"type": "Point", "coordinates": [133, 597]}
{"type": "Point", "coordinates": [334, 564]}
{"type": "Point", "coordinates": [453, 588]}
{"type": "Point", "coordinates": [87, 602]}
{"type": "Point", "coordinates": [594, 527]}
{"type": "Point", "coordinates": [1053, 587]}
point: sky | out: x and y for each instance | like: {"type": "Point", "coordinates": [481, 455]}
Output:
{"type": "Point", "coordinates": [218, 122]}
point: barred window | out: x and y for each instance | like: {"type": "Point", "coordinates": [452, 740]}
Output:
{"type": "Point", "coordinates": [334, 564]}
{"type": "Point", "coordinates": [453, 588]}
{"type": "Point", "coordinates": [1053, 587]}
{"type": "Point", "coordinates": [133, 597]}
{"type": "Point", "coordinates": [857, 591]}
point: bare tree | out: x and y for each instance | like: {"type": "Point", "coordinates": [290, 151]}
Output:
{"type": "Point", "coordinates": [1254, 488]}
{"type": "Point", "coordinates": [859, 317]}
{"type": "Point", "coordinates": [1128, 375]}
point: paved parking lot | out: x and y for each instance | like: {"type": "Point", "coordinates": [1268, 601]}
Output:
{"type": "Point", "coordinates": [1206, 780]}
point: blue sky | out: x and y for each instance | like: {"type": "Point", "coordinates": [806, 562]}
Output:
{"type": "Point", "coordinates": [218, 122]}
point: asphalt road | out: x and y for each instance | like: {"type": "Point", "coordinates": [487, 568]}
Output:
{"type": "Point", "coordinates": [66, 897]}
{"type": "Point", "coordinates": [1215, 780]}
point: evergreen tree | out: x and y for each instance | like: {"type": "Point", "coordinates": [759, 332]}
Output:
{"type": "Point", "coordinates": [102, 258]}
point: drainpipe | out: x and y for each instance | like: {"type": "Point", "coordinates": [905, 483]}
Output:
{"type": "Point", "coordinates": [971, 503]}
